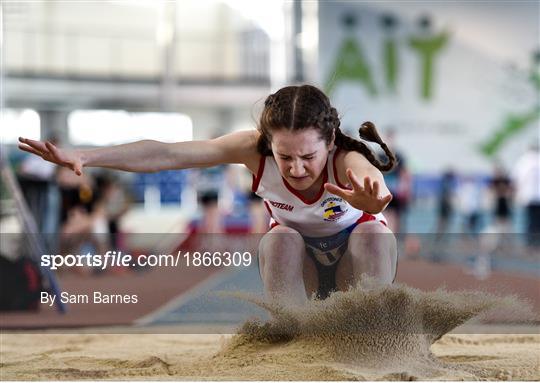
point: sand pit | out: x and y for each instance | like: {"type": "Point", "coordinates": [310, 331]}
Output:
{"type": "Point", "coordinates": [192, 357]}
{"type": "Point", "coordinates": [374, 333]}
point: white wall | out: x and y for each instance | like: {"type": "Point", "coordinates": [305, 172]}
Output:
{"type": "Point", "coordinates": [120, 38]}
{"type": "Point", "coordinates": [481, 78]}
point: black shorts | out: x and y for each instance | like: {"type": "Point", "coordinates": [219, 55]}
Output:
{"type": "Point", "coordinates": [326, 253]}
{"type": "Point", "coordinates": [209, 197]}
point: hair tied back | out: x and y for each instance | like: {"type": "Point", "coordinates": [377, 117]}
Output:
{"type": "Point", "coordinates": [369, 133]}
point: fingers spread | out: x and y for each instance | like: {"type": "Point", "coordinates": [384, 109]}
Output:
{"type": "Point", "coordinates": [353, 180]}
{"type": "Point", "coordinates": [38, 145]}
{"type": "Point", "coordinates": [376, 189]}
{"type": "Point", "coordinates": [52, 149]}
{"type": "Point", "coordinates": [367, 185]}
{"type": "Point", "coordinates": [29, 149]}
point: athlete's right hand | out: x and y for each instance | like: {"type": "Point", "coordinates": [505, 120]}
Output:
{"type": "Point", "coordinates": [69, 158]}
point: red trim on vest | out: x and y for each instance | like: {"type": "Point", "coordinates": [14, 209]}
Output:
{"type": "Point", "coordinates": [335, 170]}
{"type": "Point", "coordinates": [257, 180]}
{"type": "Point", "coordinates": [366, 217]}
{"type": "Point", "coordinates": [302, 198]}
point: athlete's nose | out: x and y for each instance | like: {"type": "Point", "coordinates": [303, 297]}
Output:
{"type": "Point", "coordinates": [297, 169]}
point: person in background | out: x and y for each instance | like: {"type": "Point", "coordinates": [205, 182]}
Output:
{"type": "Point", "coordinates": [526, 176]}
{"type": "Point", "coordinates": [258, 214]}
{"type": "Point", "coordinates": [114, 202]}
{"type": "Point", "coordinates": [492, 237]}
{"type": "Point", "coordinates": [38, 184]}
{"type": "Point", "coordinates": [470, 197]}
{"type": "Point", "coordinates": [446, 201]}
{"type": "Point", "coordinates": [209, 184]}
{"type": "Point", "coordinates": [399, 182]}
{"type": "Point", "coordinates": [83, 227]}
{"type": "Point", "coordinates": [503, 191]}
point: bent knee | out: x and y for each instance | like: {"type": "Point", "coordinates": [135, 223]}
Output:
{"type": "Point", "coordinates": [372, 227]}
{"type": "Point", "coordinates": [372, 236]}
{"type": "Point", "coordinates": [282, 244]}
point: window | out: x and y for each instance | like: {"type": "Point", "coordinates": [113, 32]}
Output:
{"type": "Point", "coordinates": [19, 123]}
{"type": "Point", "coordinates": [108, 127]}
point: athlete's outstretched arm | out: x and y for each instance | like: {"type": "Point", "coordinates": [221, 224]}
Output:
{"type": "Point", "coordinates": [152, 156]}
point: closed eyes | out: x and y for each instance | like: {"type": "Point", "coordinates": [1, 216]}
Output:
{"type": "Point", "coordinates": [308, 157]}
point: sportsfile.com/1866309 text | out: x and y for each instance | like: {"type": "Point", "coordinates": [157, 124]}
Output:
{"type": "Point", "coordinates": [118, 259]}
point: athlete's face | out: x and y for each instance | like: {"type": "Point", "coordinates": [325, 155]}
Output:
{"type": "Point", "coordinates": [300, 156]}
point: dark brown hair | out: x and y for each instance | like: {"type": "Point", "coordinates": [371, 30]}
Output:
{"type": "Point", "coordinates": [305, 106]}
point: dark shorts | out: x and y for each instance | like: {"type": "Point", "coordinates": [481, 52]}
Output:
{"type": "Point", "coordinates": [326, 252]}
{"type": "Point", "coordinates": [398, 205]}
{"type": "Point", "coordinates": [209, 197]}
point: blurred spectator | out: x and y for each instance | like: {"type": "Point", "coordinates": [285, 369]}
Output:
{"type": "Point", "coordinates": [209, 183]}
{"type": "Point", "coordinates": [114, 202]}
{"type": "Point", "coordinates": [76, 192]}
{"type": "Point", "coordinates": [490, 240]}
{"type": "Point", "coordinates": [83, 223]}
{"type": "Point", "coordinates": [258, 214]}
{"type": "Point", "coordinates": [399, 182]}
{"type": "Point", "coordinates": [245, 210]}
{"type": "Point", "coordinates": [446, 200]}
{"type": "Point", "coordinates": [470, 196]}
{"type": "Point", "coordinates": [502, 188]}
{"type": "Point", "coordinates": [526, 175]}
{"type": "Point", "coordinates": [37, 180]}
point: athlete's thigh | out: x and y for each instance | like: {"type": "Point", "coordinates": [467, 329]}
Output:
{"type": "Point", "coordinates": [344, 272]}
{"type": "Point", "coordinates": [310, 274]}
{"type": "Point", "coordinates": [311, 278]}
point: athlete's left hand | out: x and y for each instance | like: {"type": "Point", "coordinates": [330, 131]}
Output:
{"type": "Point", "coordinates": [362, 197]}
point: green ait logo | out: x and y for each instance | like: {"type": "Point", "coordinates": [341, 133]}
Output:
{"type": "Point", "coordinates": [515, 123]}
{"type": "Point", "coordinates": [333, 208]}
{"type": "Point", "coordinates": [351, 65]}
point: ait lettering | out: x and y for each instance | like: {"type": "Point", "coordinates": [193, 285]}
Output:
{"type": "Point", "coordinates": [352, 64]}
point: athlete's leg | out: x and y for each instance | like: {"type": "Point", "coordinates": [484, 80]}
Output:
{"type": "Point", "coordinates": [373, 251]}
{"type": "Point", "coordinates": [288, 274]}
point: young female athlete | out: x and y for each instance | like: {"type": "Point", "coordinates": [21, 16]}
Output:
{"type": "Point", "coordinates": [324, 190]}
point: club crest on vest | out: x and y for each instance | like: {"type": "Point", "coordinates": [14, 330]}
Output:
{"type": "Point", "coordinates": [333, 208]}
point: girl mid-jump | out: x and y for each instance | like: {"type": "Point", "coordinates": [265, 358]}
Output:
{"type": "Point", "coordinates": [324, 190]}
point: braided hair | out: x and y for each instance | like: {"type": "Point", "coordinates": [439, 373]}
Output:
{"type": "Point", "coordinates": [302, 107]}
